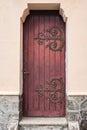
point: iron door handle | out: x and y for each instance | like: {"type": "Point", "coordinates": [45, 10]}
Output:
{"type": "Point", "coordinates": [26, 72]}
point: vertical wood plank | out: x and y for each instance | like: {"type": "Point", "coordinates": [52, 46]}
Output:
{"type": "Point", "coordinates": [30, 65]}
{"type": "Point", "coordinates": [63, 70]}
{"type": "Point", "coordinates": [57, 66]}
{"type": "Point", "coordinates": [47, 65]}
{"type": "Point", "coordinates": [25, 66]}
{"type": "Point", "coordinates": [41, 56]}
{"type": "Point", "coordinates": [36, 64]}
{"type": "Point", "coordinates": [52, 63]}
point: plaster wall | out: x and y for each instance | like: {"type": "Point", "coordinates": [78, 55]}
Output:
{"type": "Point", "coordinates": [10, 44]}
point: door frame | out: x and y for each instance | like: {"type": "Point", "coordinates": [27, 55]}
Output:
{"type": "Point", "coordinates": [26, 12]}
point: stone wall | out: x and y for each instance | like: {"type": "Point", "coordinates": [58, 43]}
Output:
{"type": "Point", "coordinates": [9, 112]}
{"type": "Point", "coordinates": [76, 107]}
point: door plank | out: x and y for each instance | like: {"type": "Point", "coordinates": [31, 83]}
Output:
{"type": "Point", "coordinates": [30, 66]}
{"type": "Point", "coordinates": [36, 64]}
{"type": "Point", "coordinates": [52, 62]}
{"type": "Point", "coordinates": [25, 66]}
{"type": "Point", "coordinates": [58, 64]}
{"type": "Point", "coordinates": [41, 60]}
{"type": "Point", "coordinates": [47, 66]}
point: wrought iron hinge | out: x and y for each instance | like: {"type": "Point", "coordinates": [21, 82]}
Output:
{"type": "Point", "coordinates": [53, 96]}
{"type": "Point", "coordinates": [54, 37]}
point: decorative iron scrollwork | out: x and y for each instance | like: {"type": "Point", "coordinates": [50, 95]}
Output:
{"type": "Point", "coordinates": [53, 96]}
{"type": "Point", "coordinates": [55, 34]}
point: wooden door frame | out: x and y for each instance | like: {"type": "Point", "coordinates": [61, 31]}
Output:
{"type": "Point", "coordinates": [26, 12]}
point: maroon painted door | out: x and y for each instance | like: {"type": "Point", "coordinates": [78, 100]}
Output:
{"type": "Point", "coordinates": [44, 64]}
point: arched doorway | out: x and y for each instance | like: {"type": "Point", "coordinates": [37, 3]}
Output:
{"type": "Point", "coordinates": [44, 64]}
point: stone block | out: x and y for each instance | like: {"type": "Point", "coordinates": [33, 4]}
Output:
{"type": "Point", "coordinates": [72, 105]}
{"type": "Point", "coordinates": [37, 123]}
{"type": "Point", "coordinates": [73, 116]}
{"type": "Point", "coordinates": [73, 125]}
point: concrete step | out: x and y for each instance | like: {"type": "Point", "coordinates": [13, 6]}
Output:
{"type": "Point", "coordinates": [37, 123]}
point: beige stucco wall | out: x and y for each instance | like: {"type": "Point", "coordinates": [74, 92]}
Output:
{"type": "Point", "coordinates": [10, 44]}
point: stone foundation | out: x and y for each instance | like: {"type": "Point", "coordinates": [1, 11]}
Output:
{"type": "Point", "coordinates": [10, 112]}
{"type": "Point", "coordinates": [76, 106]}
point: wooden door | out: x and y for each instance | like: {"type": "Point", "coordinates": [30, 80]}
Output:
{"type": "Point", "coordinates": [44, 64]}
